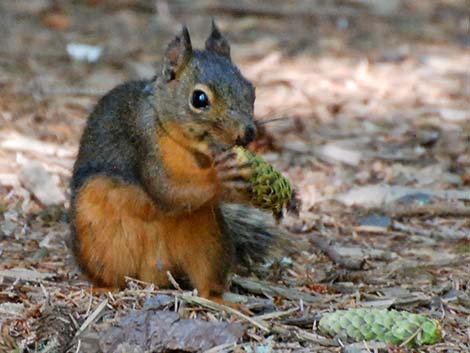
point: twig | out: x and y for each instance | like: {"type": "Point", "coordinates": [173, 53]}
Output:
{"type": "Point", "coordinates": [90, 303]}
{"type": "Point", "coordinates": [78, 346]}
{"type": "Point", "coordinates": [364, 342]}
{"type": "Point", "coordinates": [431, 210]}
{"type": "Point", "coordinates": [276, 314]}
{"type": "Point", "coordinates": [265, 288]}
{"type": "Point", "coordinates": [173, 281]}
{"type": "Point", "coordinates": [302, 335]}
{"type": "Point", "coordinates": [220, 307]}
{"type": "Point", "coordinates": [409, 339]}
{"type": "Point", "coordinates": [223, 348]}
{"type": "Point", "coordinates": [441, 262]}
{"type": "Point", "coordinates": [272, 120]}
{"type": "Point", "coordinates": [301, 321]}
{"type": "Point", "coordinates": [74, 322]}
{"type": "Point", "coordinates": [395, 267]}
{"type": "Point", "coordinates": [328, 249]}
{"type": "Point", "coordinates": [432, 233]}
{"type": "Point", "coordinates": [90, 319]}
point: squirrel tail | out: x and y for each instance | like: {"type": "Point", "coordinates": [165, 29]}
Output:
{"type": "Point", "coordinates": [256, 237]}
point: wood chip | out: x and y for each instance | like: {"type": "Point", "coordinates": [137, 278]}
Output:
{"type": "Point", "coordinates": [41, 184]}
{"type": "Point", "coordinates": [25, 274]}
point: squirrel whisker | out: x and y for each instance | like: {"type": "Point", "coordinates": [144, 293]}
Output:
{"type": "Point", "coordinates": [269, 121]}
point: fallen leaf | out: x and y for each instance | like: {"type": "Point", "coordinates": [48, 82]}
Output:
{"type": "Point", "coordinates": [162, 331]}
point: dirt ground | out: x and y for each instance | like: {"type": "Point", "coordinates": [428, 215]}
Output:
{"type": "Point", "coordinates": [365, 106]}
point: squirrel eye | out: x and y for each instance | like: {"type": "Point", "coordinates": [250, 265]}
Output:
{"type": "Point", "coordinates": [199, 99]}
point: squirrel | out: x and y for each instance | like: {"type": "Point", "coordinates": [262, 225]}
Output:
{"type": "Point", "coordinates": [155, 187]}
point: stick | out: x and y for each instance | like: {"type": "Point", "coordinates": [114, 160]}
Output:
{"type": "Point", "coordinates": [411, 265]}
{"type": "Point", "coordinates": [173, 281]}
{"type": "Point", "coordinates": [301, 321]}
{"type": "Point", "coordinates": [220, 307]}
{"type": "Point", "coordinates": [409, 339]}
{"type": "Point", "coordinates": [327, 248]}
{"type": "Point", "coordinates": [265, 288]}
{"type": "Point", "coordinates": [276, 314]}
{"type": "Point", "coordinates": [432, 210]}
{"type": "Point", "coordinates": [94, 315]}
{"type": "Point", "coordinates": [223, 348]}
{"type": "Point", "coordinates": [424, 232]}
{"type": "Point", "coordinates": [303, 335]}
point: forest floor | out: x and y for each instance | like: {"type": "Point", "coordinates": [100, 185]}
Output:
{"type": "Point", "coordinates": [370, 110]}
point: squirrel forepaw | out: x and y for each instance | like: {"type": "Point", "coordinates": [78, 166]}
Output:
{"type": "Point", "coordinates": [233, 174]}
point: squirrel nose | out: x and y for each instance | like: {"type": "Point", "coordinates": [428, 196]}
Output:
{"type": "Point", "coordinates": [248, 136]}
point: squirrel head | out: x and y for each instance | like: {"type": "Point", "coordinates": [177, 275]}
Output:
{"type": "Point", "coordinates": [204, 95]}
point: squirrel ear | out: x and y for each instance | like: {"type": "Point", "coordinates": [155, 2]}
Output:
{"type": "Point", "coordinates": [217, 42]}
{"type": "Point", "coordinates": [177, 54]}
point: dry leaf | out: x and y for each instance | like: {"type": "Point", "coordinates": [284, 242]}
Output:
{"type": "Point", "coordinates": [162, 331]}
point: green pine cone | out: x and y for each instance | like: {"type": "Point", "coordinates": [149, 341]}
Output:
{"type": "Point", "coordinates": [270, 189]}
{"type": "Point", "coordinates": [388, 326]}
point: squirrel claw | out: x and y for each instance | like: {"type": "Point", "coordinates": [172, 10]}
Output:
{"type": "Point", "coordinates": [232, 164]}
{"type": "Point", "coordinates": [235, 173]}
{"type": "Point", "coordinates": [240, 186]}
{"type": "Point", "coordinates": [221, 158]}
{"type": "Point", "coordinates": [230, 168]}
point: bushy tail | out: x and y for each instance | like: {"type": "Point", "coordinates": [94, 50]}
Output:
{"type": "Point", "coordinates": [258, 240]}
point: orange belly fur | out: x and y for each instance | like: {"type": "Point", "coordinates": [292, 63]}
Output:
{"type": "Point", "coordinates": [122, 233]}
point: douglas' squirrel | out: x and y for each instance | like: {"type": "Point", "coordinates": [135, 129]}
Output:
{"type": "Point", "coordinates": [156, 187]}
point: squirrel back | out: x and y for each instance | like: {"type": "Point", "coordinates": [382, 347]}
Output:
{"type": "Point", "coordinates": [155, 186]}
